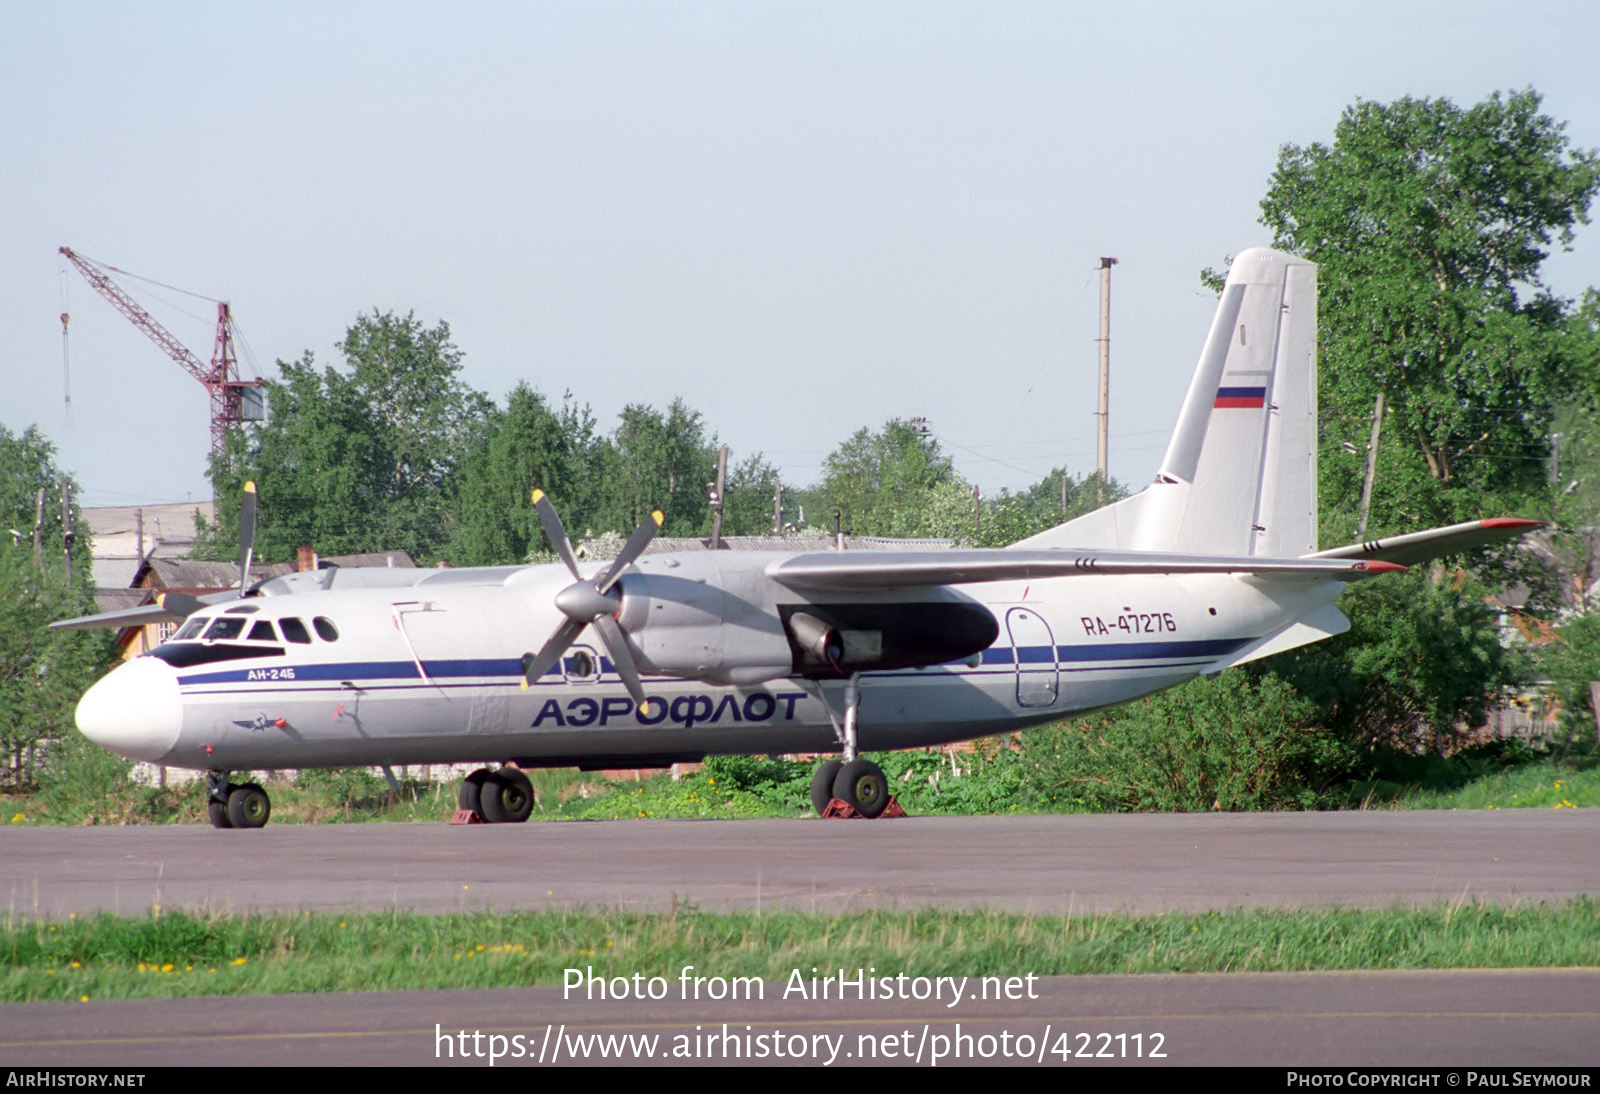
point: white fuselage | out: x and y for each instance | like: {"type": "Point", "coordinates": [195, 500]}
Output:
{"type": "Point", "coordinates": [426, 668]}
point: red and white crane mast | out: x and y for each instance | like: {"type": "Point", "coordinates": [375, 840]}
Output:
{"type": "Point", "coordinates": [233, 401]}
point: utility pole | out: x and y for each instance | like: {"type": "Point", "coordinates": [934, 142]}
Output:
{"type": "Point", "coordinates": [38, 525]}
{"type": "Point", "coordinates": [717, 489]}
{"type": "Point", "coordinates": [777, 507]}
{"type": "Point", "coordinates": [1103, 441]}
{"type": "Point", "coordinates": [1372, 466]}
{"type": "Point", "coordinates": [66, 529]}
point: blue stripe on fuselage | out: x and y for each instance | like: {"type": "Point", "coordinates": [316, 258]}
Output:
{"type": "Point", "coordinates": [503, 667]}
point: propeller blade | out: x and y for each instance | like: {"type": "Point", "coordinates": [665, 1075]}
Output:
{"type": "Point", "coordinates": [631, 550]}
{"type": "Point", "coordinates": [535, 665]}
{"type": "Point", "coordinates": [555, 531]}
{"type": "Point", "coordinates": [617, 646]}
{"type": "Point", "coordinates": [247, 534]}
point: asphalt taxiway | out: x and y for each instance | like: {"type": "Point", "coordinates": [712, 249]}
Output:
{"type": "Point", "coordinates": [1044, 865]}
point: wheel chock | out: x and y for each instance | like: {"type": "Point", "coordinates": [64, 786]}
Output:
{"type": "Point", "coordinates": [838, 808]}
{"type": "Point", "coordinates": [467, 816]}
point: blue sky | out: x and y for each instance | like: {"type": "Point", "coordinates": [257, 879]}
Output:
{"type": "Point", "coordinates": [802, 218]}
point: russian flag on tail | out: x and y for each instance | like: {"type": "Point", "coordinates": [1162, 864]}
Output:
{"type": "Point", "coordinates": [1245, 397]}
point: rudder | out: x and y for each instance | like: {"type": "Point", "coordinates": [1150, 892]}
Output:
{"type": "Point", "coordinates": [1239, 475]}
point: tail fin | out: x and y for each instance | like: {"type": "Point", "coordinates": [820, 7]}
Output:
{"type": "Point", "coordinates": [1240, 472]}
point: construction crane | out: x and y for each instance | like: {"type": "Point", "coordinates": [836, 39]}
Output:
{"type": "Point", "coordinates": [233, 401]}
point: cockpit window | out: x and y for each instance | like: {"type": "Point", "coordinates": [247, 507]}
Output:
{"type": "Point", "coordinates": [325, 628]}
{"type": "Point", "coordinates": [262, 632]}
{"type": "Point", "coordinates": [188, 654]}
{"type": "Point", "coordinates": [294, 630]}
{"type": "Point", "coordinates": [191, 629]}
{"type": "Point", "coordinates": [225, 628]}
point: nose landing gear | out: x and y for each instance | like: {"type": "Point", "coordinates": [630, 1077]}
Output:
{"type": "Point", "coordinates": [236, 806]}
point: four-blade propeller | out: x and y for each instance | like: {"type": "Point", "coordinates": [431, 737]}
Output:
{"type": "Point", "coordinates": [595, 600]}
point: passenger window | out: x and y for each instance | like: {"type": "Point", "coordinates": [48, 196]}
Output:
{"type": "Point", "coordinates": [325, 629]}
{"type": "Point", "coordinates": [225, 628]}
{"type": "Point", "coordinates": [294, 630]}
{"type": "Point", "coordinates": [263, 632]}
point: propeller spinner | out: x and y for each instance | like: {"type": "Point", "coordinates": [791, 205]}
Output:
{"type": "Point", "coordinates": [588, 601]}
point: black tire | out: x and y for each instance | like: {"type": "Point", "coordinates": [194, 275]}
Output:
{"type": "Point", "coordinates": [861, 785]}
{"type": "Point", "coordinates": [507, 797]}
{"type": "Point", "coordinates": [822, 784]}
{"type": "Point", "coordinates": [470, 796]}
{"type": "Point", "coordinates": [219, 813]}
{"type": "Point", "coordinates": [249, 806]}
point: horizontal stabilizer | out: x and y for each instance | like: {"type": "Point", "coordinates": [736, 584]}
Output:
{"type": "Point", "coordinates": [1421, 546]}
{"type": "Point", "coordinates": [911, 569]}
{"type": "Point", "coordinates": [1323, 622]}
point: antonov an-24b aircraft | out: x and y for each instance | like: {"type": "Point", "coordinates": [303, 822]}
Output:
{"type": "Point", "coordinates": [653, 659]}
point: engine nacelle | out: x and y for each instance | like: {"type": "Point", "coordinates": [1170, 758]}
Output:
{"type": "Point", "coordinates": [720, 619]}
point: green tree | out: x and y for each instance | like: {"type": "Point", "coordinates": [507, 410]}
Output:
{"type": "Point", "coordinates": [659, 461]}
{"type": "Point", "coordinates": [1011, 517]}
{"type": "Point", "coordinates": [27, 466]}
{"type": "Point", "coordinates": [1421, 662]}
{"type": "Point", "coordinates": [895, 482]}
{"type": "Point", "coordinates": [1430, 224]}
{"type": "Point", "coordinates": [747, 508]}
{"type": "Point", "coordinates": [42, 672]}
{"type": "Point", "coordinates": [360, 458]}
{"type": "Point", "coordinates": [523, 447]}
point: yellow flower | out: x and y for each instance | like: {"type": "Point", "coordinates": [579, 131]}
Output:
{"type": "Point", "coordinates": [238, 961]}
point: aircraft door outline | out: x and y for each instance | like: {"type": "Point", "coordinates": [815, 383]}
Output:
{"type": "Point", "coordinates": [1034, 647]}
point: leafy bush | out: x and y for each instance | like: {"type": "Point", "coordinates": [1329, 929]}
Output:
{"type": "Point", "coordinates": [1572, 663]}
{"type": "Point", "coordinates": [1232, 743]}
{"type": "Point", "coordinates": [1420, 663]}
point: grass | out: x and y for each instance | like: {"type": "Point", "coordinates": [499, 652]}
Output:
{"type": "Point", "coordinates": [169, 955]}
{"type": "Point", "coordinates": [989, 780]}
{"type": "Point", "coordinates": [1474, 780]}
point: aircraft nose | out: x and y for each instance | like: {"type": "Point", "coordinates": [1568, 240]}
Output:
{"type": "Point", "coordinates": [134, 711]}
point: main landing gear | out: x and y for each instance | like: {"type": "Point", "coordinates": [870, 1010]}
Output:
{"type": "Point", "coordinates": [504, 796]}
{"type": "Point", "coordinates": [848, 785]}
{"type": "Point", "coordinates": [231, 806]}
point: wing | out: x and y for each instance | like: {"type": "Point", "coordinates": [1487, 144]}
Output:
{"type": "Point", "coordinates": [168, 608]}
{"type": "Point", "coordinates": [1421, 546]}
{"type": "Point", "coordinates": [908, 569]}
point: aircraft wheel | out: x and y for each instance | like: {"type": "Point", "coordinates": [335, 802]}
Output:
{"type": "Point", "coordinates": [507, 797]}
{"type": "Point", "coordinates": [470, 796]}
{"type": "Point", "coordinates": [822, 784]}
{"type": "Point", "coordinates": [248, 806]}
{"type": "Point", "coordinates": [861, 785]}
{"type": "Point", "coordinates": [218, 812]}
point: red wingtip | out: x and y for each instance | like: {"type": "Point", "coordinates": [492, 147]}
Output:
{"type": "Point", "coordinates": [1510, 522]}
{"type": "Point", "coordinates": [1377, 566]}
